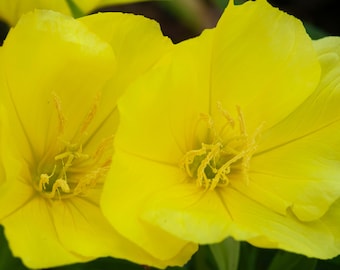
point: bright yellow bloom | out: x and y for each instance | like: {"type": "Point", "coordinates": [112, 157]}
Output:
{"type": "Point", "coordinates": [11, 10]}
{"type": "Point", "coordinates": [236, 134]}
{"type": "Point", "coordinates": [59, 81]}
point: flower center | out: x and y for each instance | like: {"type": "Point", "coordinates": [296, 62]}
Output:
{"type": "Point", "coordinates": [72, 172]}
{"type": "Point", "coordinates": [227, 151]}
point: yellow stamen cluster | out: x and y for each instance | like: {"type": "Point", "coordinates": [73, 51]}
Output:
{"type": "Point", "coordinates": [211, 165]}
{"type": "Point", "coordinates": [59, 182]}
{"type": "Point", "coordinates": [73, 171]}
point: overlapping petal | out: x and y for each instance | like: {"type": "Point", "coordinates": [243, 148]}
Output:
{"type": "Point", "coordinates": [310, 132]}
{"type": "Point", "coordinates": [37, 105]}
{"type": "Point", "coordinates": [263, 62]}
{"type": "Point", "coordinates": [137, 49]}
{"type": "Point", "coordinates": [256, 73]}
{"type": "Point", "coordinates": [126, 217]}
{"type": "Point", "coordinates": [62, 95]}
{"type": "Point", "coordinates": [187, 212]}
{"type": "Point", "coordinates": [264, 228]}
{"type": "Point", "coordinates": [57, 43]}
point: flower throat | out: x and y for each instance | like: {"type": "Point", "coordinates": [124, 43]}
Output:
{"type": "Point", "coordinates": [72, 172]}
{"type": "Point", "coordinates": [225, 152]}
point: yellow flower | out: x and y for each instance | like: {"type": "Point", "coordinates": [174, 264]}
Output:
{"type": "Point", "coordinates": [237, 135]}
{"type": "Point", "coordinates": [59, 80]}
{"type": "Point", "coordinates": [11, 10]}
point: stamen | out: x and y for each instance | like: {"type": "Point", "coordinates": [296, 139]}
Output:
{"type": "Point", "coordinates": [211, 126]}
{"type": "Point", "coordinates": [226, 114]}
{"type": "Point", "coordinates": [188, 159]}
{"type": "Point", "coordinates": [202, 179]}
{"type": "Point", "coordinates": [45, 180]}
{"type": "Point", "coordinates": [61, 116]}
{"type": "Point", "coordinates": [103, 146]}
{"type": "Point", "coordinates": [74, 151]}
{"type": "Point", "coordinates": [59, 183]}
{"type": "Point", "coordinates": [212, 164]}
{"type": "Point", "coordinates": [242, 122]}
{"type": "Point", "coordinates": [91, 114]}
{"type": "Point", "coordinates": [74, 171]}
{"type": "Point", "coordinates": [65, 160]}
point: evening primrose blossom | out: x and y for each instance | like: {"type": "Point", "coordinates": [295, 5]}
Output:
{"type": "Point", "coordinates": [237, 135]}
{"type": "Point", "coordinates": [11, 10]}
{"type": "Point", "coordinates": [60, 79]}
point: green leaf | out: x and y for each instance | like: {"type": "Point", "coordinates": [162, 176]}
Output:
{"type": "Point", "coordinates": [289, 261]}
{"type": "Point", "coordinates": [226, 254]}
{"type": "Point", "coordinates": [75, 10]}
{"type": "Point", "coordinates": [7, 261]}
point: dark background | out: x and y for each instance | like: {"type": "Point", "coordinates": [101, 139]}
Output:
{"type": "Point", "coordinates": [322, 17]}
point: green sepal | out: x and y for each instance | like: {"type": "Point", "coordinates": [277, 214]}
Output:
{"type": "Point", "coordinates": [226, 254]}
{"type": "Point", "coordinates": [75, 10]}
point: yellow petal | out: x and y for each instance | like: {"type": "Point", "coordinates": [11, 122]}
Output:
{"type": "Point", "coordinates": [162, 116]}
{"type": "Point", "coordinates": [3, 122]}
{"type": "Point", "coordinates": [165, 122]}
{"type": "Point", "coordinates": [262, 61]}
{"type": "Point", "coordinates": [298, 158]}
{"type": "Point", "coordinates": [128, 35]}
{"type": "Point", "coordinates": [264, 228]}
{"type": "Point", "coordinates": [38, 237]}
{"type": "Point", "coordinates": [12, 10]}
{"type": "Point", "coordinates": [14, 195]}
{"type": "Point", "coordinates": [320, 109]}
{"type": "Point", "coordinates": [158, 143]}
{"type": "Point", "coordinates": [60, 77]}
{"type": "Point", "coordinates": [303, 173]}
{"type": "Point", "coordinates": [189, 212]}
{"type": "Point", "coordinates": [126, 217]}
{"type": "Point", "coordinates": [15, 190]}
{"type": "Point", "coordinates": [138, 44]}
{"type": "Point", "coordinates": [331, 219]}
{"type": "Point", "coordinates": [82, 229]}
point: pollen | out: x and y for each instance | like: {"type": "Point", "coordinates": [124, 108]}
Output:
{"type": "Point", "coordinates": [73, 171]}
{"type": "Point", "coordinates": [213, 164]}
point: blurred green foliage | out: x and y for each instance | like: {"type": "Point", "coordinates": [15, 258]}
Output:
{"type": "Point", "coordinates": [314, 32]}
{"type": "Point", "coordinates": [250, 258]}
{"type": "Point", "coordinates": [288, 261]}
